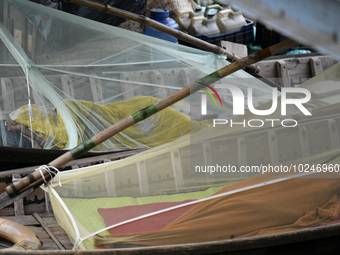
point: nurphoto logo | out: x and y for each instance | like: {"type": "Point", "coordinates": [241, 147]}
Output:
{"type": "Point", "coordinates": [239, 99]}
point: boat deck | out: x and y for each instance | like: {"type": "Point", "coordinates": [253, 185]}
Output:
{"type": "Point", "coordinates": [45, 226]}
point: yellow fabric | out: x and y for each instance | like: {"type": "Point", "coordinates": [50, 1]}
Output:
{"type": "Point", "coordinates": [160, 128]}
{"type": "Point", "coordinates": [43, 123]}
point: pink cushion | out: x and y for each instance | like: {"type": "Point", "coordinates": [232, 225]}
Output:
{"type": "Point", "coordinates": [113, 216]}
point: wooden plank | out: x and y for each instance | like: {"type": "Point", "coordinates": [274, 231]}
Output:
{"type": "Point", "coordinates": [96, 88]}
{"type": "Point", "coordinates": [77, 184]}
{"type": "Point", "coordinates": [333, 133]}
{"type": "Point", "coordinates": [7, 94]}
{"type": "Point", "coordinates": [316, 66]}
{"type": "Point", "coordinates": [6, 11]}
{"type": "Point", "coordinates": [47, 214]}
{"type": "Point", "coordinates": [37, 98]}
{"type": "Point", "coordinates": [44, 225]}
{"type": "Point", "coordinates": [32, 42]}
{"type": "Point", "coordinates": [34, 207]}
{"type": "Point", "coordinates": [177, 169]}
{"type": "Point", "coordinates": [57, 231]}
{"type": "Point", "coordinates": [303, 135]}
{"type": "Point", "coordinates": [65, 242]}
{"type": "Point", "coordinates": [207, 158]}
{"type": "Point", "coordinates": [240, 50]}
{"type": "Point", "coordinates": [242, 154]}
{"type": "Point", "coordinates": [18, 205]}
{"type": "Point", "coordinates": [26, 220]}
{"type": "Point", "coordinates": [40, 232]}
{"type": "Point", "coordinates": [127, 88]}
{"type": "Point", "coordinates": [49, 246]}
{"type": "Point", "coordinates": [184, 77]}
{"type": "Point", "coordinates": [110, 182]}
{"type": "Point", "coordinates": [143, 179]}
{"type": "Point", "coordinates": [273, 148]}
{"type": "Point", "coordinates": [51, 222]}
{"type": "Point", "coordinates": [157, 78]}
{"type": "Point", "coordinates": [48, 204]}
{"type": "Point", "coordinates": [18, 36]}
{"type": "Point", "coordinates": [5, 23]}
{"type": "Point", "coordinates": [283, 73]}
{"type": "Point", "coordinates": [24, 32]}
{"type": "Point", "coordinates": [67, 85]}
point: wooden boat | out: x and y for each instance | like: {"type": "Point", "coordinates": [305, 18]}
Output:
{"type": "Point", "coordinates": [35, 212]}
{"type": "Point", "coordinates": [316, 240]}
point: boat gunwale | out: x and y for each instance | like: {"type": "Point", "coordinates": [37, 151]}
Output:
{"type": "Point", "coordinates": [240, 245]}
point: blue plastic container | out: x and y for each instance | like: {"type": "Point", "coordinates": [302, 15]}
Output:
{"type": "Point", "coordinates": [162, 16]}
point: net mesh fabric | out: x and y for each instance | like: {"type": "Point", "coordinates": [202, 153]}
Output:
{"type": "Point", "coordinates": [66, 78]}
{"type": "Point", "coordinates": [73, 70]}
{"type": "Point", "coordinates": [121, 203]}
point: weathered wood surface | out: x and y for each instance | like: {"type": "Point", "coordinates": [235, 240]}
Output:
{"type": "Point", "coordinates": [293, 70]}
{"type": "Point", "coordinates": [46, 228]}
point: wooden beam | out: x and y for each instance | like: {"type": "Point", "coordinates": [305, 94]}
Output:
{"type": "Point", "coordinates": [96, 88]}
{"type": "Point", "coordinates": [18, 205]}
{"type": "Point", "coordinates": [303, 134]}
{"type": "Point", "coordinates": [67, 85]}
{"type": "Point", "coordinates": [143, 178]}
{"type": "Point", "coordinates": [283, 73]}
{"type": "Point", "coordinates": [177, 169]}
{"type": "Point", "coordinates": [242, 154]}
{"type": "Point", "coordinates": [273, 148]}
{"type": "Point", "coordinates": [207, 159]}
{"type": "Point", "coordinates": [26, 220]}
{"type": "Point", "coordinates": [7, 94]}
{"type": "Point", "coordinates": [157, 78]}
{"type": "Point", "coordinates": [110, 181]}
{"type": "Point", "coordinates": [316, 66]}
{"type": "Point", "coordinates": [49, 232]}
{"type": "Point", "coordinates": [127, 88]}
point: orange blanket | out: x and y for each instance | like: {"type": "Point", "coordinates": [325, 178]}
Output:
{"type": "Point", "coordinates": [285, 206]}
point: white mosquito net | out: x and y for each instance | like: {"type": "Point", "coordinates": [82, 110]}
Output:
{"type": "Point", "coordinates": [66, 78]}
{"type": "Point", "coordinates": [219, 183]}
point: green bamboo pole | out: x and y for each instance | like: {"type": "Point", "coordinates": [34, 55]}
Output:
{"type": "Point", "coordinates": [159, 26]}
{"type": "Point", "coordinates": [35, 178]}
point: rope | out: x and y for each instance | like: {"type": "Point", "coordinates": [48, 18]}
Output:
{"type": "Point", "coordinates": [51, 170]}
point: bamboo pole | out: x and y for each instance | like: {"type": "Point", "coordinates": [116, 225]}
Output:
{"type": "Point", "coordinates": [35, 179]}
{"type": "Point", "coordinates": [159, 26]}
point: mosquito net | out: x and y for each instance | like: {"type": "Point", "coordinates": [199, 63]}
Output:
{"type": "Point", "coordinates": [64, 78]}
{"type": "Point", "coordinates": [221, 182]}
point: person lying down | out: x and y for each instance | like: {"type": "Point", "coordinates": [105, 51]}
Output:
{"type": "Point", "coordinates": [74, 121]}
